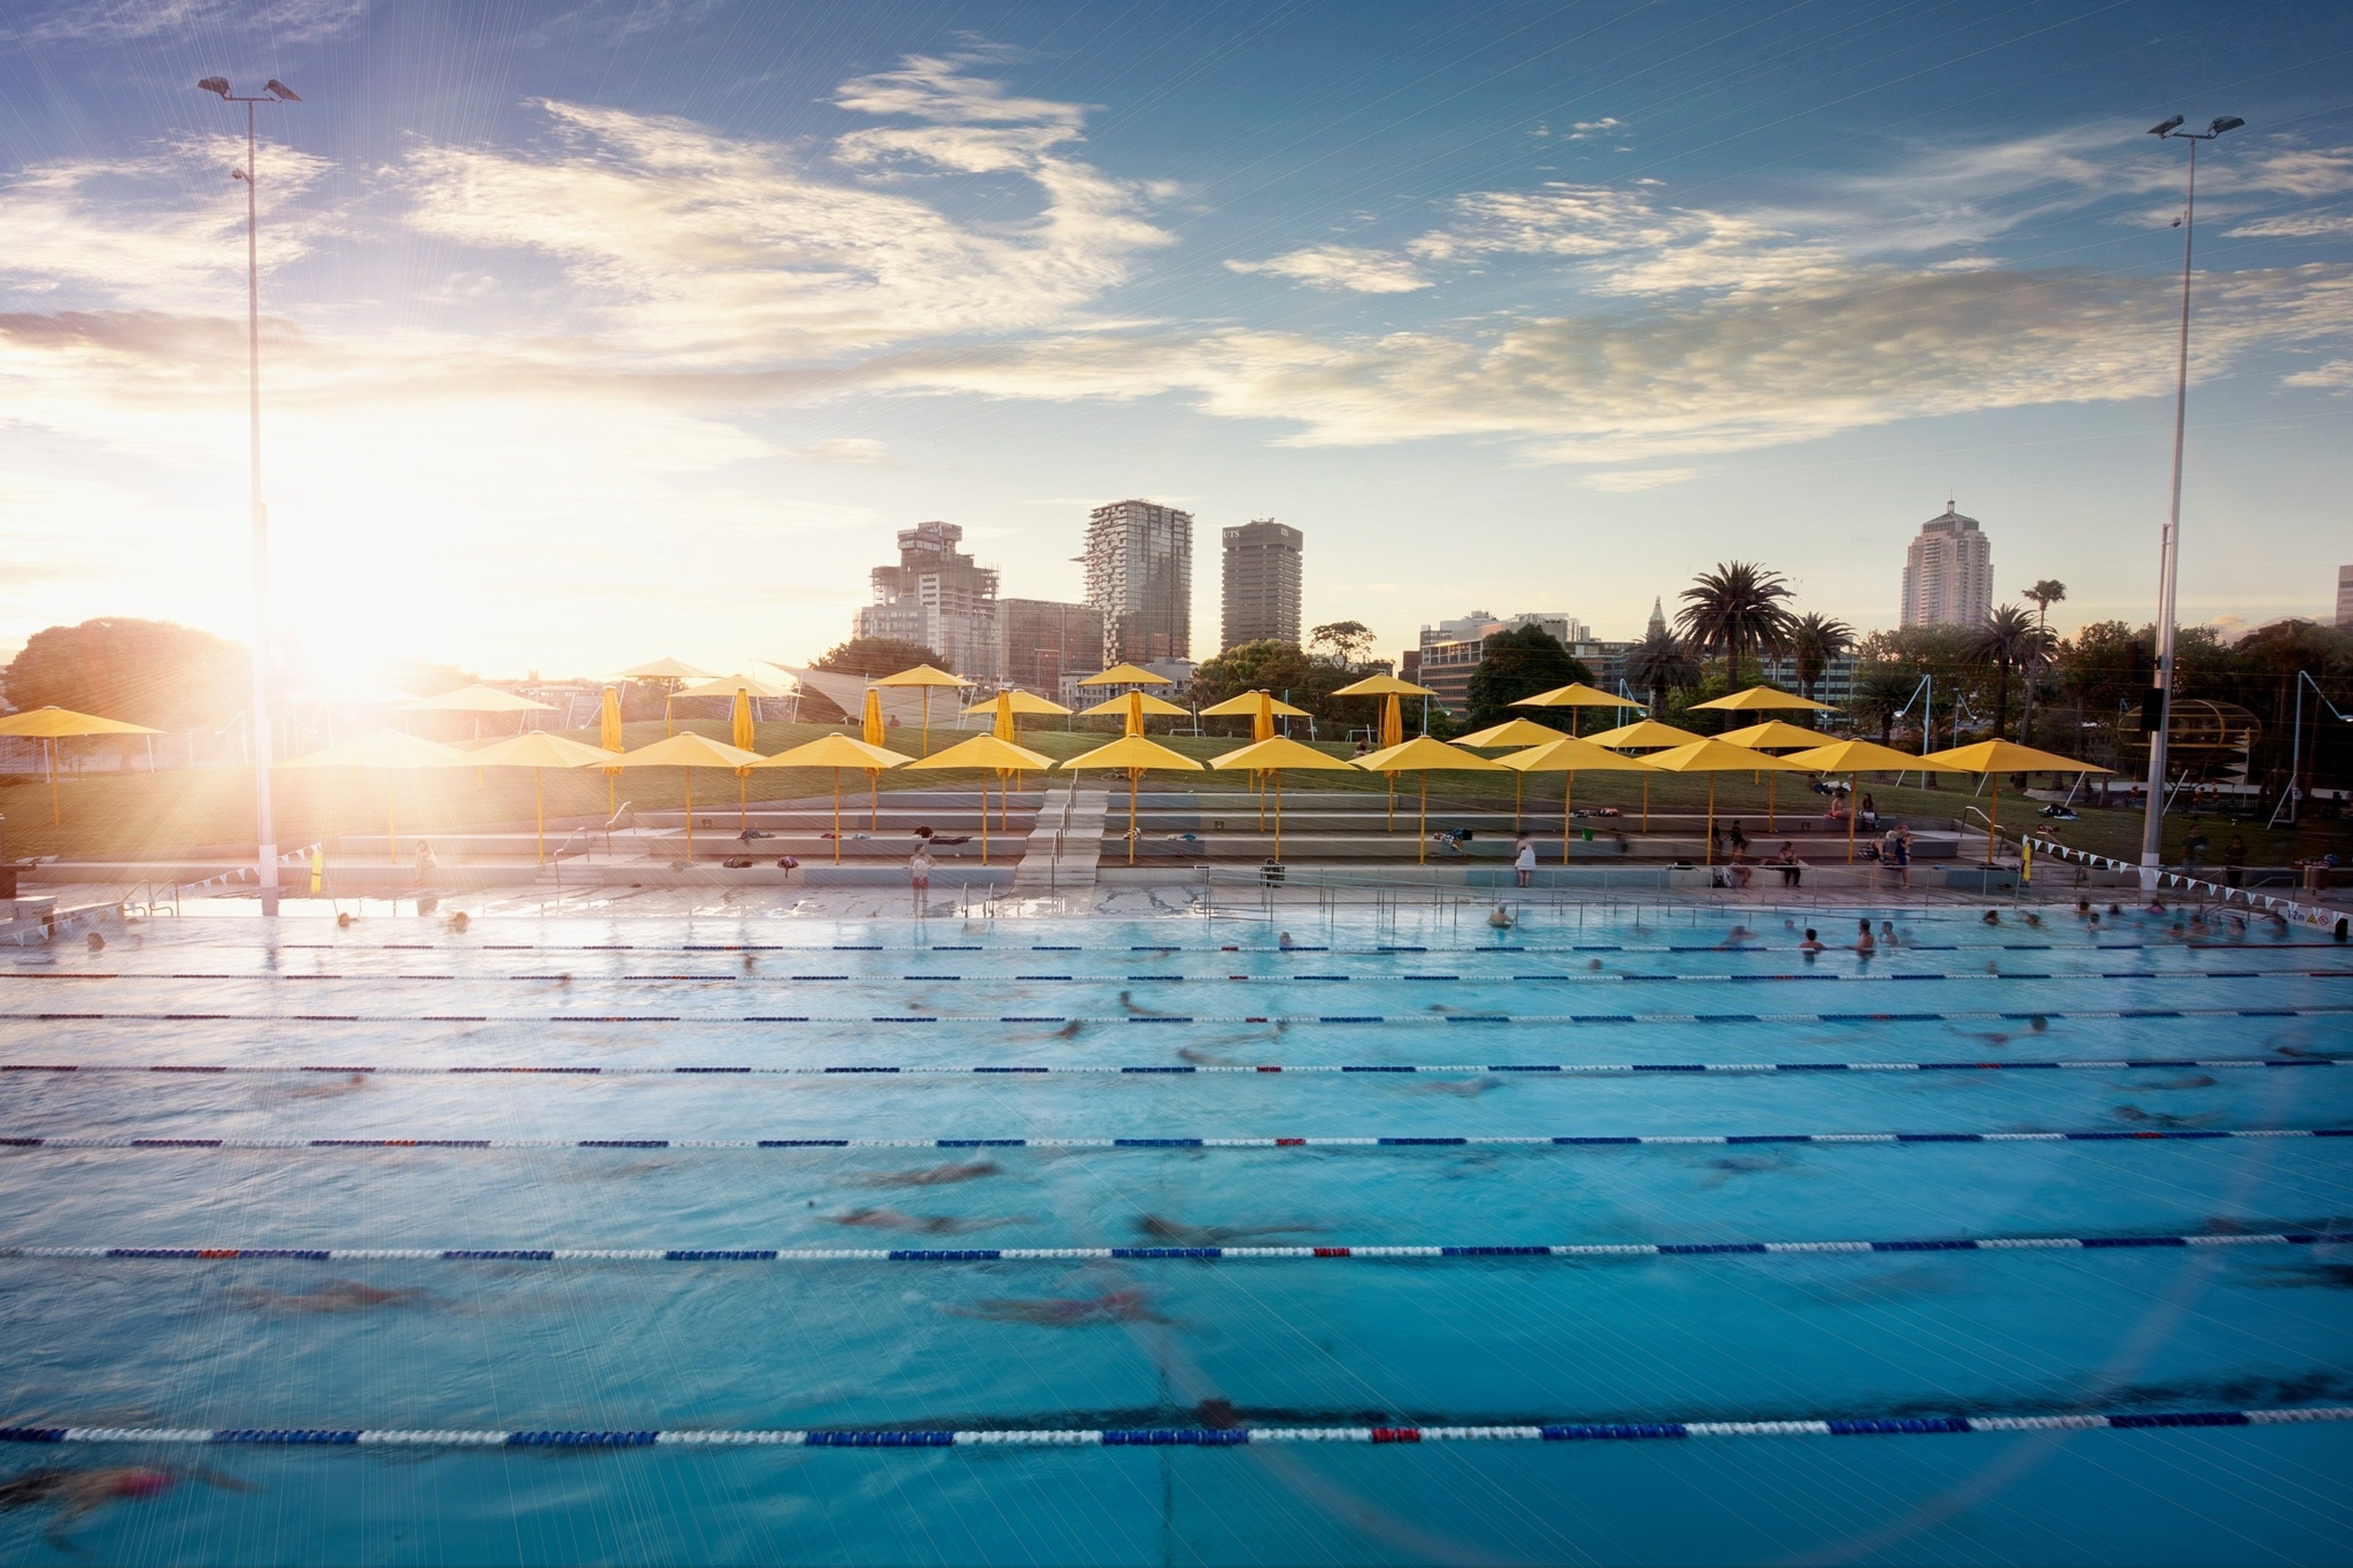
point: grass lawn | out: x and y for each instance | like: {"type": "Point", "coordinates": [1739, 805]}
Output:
{"type": "Point", "coordinates": [111, 815]}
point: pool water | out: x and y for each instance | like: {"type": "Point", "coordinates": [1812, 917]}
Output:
{"type": "Point", "coordinates": [1157, 1129]}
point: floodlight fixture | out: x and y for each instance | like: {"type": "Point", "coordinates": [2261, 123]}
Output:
{"type": "Point", "coordinates": [285, 94]}
{"type": "Point", "coordinates": [2165, 128]}
{"type": "Point", "coordinates": [218, 84]}
{"type": "Point", "coordinates": [2227, 122]}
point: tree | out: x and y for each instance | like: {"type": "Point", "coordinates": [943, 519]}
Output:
{"type": "Point", "coordinates": [156, 673]}
{"type": "Point", "coordinates": [1349, 642]}
{"type": "Point", "coordinates": [872, 656]}
{"type": "Point", "coordinates": [1515, 664]}
{"type": "Point", "coordinates": [1736, 610]}
{"type": "Point", "coordinates": [2045, 593]}
{"type": "Point", "coordinates": [2009, 640]}
{"type": "Point", "coordinates": [1273, 666]}
{"type": "Point", "coordinates": [1658, 665]}
{"type": "Point", "coordinates": [1814, 641]}
{"type": "Point", "coordinates": [1881, 692]}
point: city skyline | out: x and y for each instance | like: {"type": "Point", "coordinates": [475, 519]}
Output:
{"type": "Point", "coordinates": [620, 330]}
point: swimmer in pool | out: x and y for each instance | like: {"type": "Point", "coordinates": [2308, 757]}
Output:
{"type": "Point", "coordinates": [1177, 1233]}
{"type": "Point", "coordinates": [1129, 1306]}
{"type": "Point", "coordinates": [1863, 941]}
{"type": "Point", "coordinates": [77, 1493]}
{"type": "Point", "coordinates": [1501, 919]}
{"type": "Point", "coordinates": [926, 1225]}
{"type": "Point", "coordinates": [1887, 933]}
{"type": "Point", "coordinates": [1812, 945]}
{"type": "Point", "coordinates": [1283, 941]}
{"type": "Point", "coordinates": [336, 1296]}
{"type": "Point", "coordinates": [1991, 917]}
{"type": "Point", "coordinates": [935, 1176]}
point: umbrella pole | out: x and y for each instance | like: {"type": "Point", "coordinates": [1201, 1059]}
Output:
{"type": "Point", "coordinates": [1853, 795]}
{"type": "Point", "coordinates": [689, 773]}
{"type": "Point", "coordinates": [1768, 803]}
{"type": "Point", "coordinates": [391, 822]}
{"type": "Point", "coordinates": [927, 720]}
{"type": "Point", "coordinates": [1993, 812]}
{"type": "Point", "coordinates": [1711, 819]}
{"type": "Point", "coordinates": [743, 801]}
{"type": "Point", "coordinates": [837, 816]}
{"type": "Point", "coordinates": [1392, 827]}
{"type": "Point", "coordinates": [1568, 792]}
{"type": "Point", "coordinates": [1646, 803]}
{"type": "Point", "coordinates": [57, 812]}
{"type": "Point", "coordinates": [873, 800]}
{"type": "Point", "coordinates": [477, 745]}
{"type": "Point", "coordinates": [1517, 779]}
{"type": "Point", "coordinates": [984, 817]}
{"type": "Point", "coordinates": [1134, 778]}
{"type": "Point", "coordinates": [1421, 824]}
{"type": "Point", "coordinates": [1278, 814]}
{"type": "Point", "coordinates": [539, 811]}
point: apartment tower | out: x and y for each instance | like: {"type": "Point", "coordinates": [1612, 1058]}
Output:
{"type": "Point", "coordinates": [1261, 584]}
{"type": "Point", "coordinates": [938, 597]}
{"type": "Point", "coordinates": [1139, 570]}
{"type": "Point", "coordinates": [1949, 574]}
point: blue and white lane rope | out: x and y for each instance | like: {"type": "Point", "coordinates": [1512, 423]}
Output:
{"type": "Point", "coordinates": [1593, 977]}
{"type": "Point", "coordinates": [1475, 1141]}
{"type": "Point", "coordinates": [853, 1020]}
{"type": "Point", "coordinates": [1385, 950]}
{"type": "Point", "coordinates": [1191, 1254]}
{"type": "Point", "coordinates": [2133, 1064]}
{"type": "Point", "coordinates": [1160, 1436]}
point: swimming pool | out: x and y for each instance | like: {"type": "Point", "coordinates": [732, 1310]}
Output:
{"type": "Point", "coordinates": [1042, 1178]}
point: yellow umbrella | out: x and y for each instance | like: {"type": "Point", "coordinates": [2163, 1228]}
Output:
{"type": "Point", "coordinates": [1120, 706]}
{"type": "Point", "coordinates": [664, 669]}
{"type": "Point", "coordinates": [729, 685]}
{"type": "Point", "coordinates": [51, 724]}
{"type": "Point", "coordinates": [924, 677]}
{"type": "Point", "coordinates": [1026, 702]}
{"type": "Point", "coordinates": [687, 753]}
{"type": "Point", "coordinates": [1771, 736]}
{"type": "Point", "coordinates": [985, 752]}
{"type": "Point", "coordinates": [1854, 759]}
{"type": "Point", "coordinates": [608, 738]}
{"type": "Point", "coordinates": [740, 732]}
{"type": "Point", "coordinates": [1641, 734]}
{"type": "Point", "coordinates": [1126, 675]}
{"type": "Point", "coordinates": [1764, 700]}
{"type": "Point", "coordinates": [1712, 756]}
{"type": "Point", "coordinates": [1424, 756]}
{"type": "Point", "coordinates": [1994, 758]}
{"type": "Point", "coordinates": [1575, 695]}
{"type": "Point", "coordinates": [1566, 755]}
{"type": "Point", "coordinates": [477, 701]}
{"type": "Point", "coordinates": [1247, 706]}
{"type": "Point", "coordinates": [1273, 755]}
{"type": "Point", "coordinates": [1134, 753]}
{"type": "Point", "coordinates": [1007, 728]}
{"type": "Point", "coordinates": [538, 751]}
{"type": "Point", "coordinates": [1392, 689]}
{"type": "Point", "coordinates": [837, 752]}
{"type": "Point", "coordinates": [390, 750]}
{"type": "Point", "coordinates": [874, 733]}
{"type": "Point", "coordinates": [1511, 732]}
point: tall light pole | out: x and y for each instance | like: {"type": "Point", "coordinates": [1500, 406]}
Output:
{"type": "Point", "coordinates": [265, 823]}
{"type": "Point", "coordinates": [2152, 832]}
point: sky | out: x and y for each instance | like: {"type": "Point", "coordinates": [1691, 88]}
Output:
{"type": "Point", "coordinates": [595, 330]}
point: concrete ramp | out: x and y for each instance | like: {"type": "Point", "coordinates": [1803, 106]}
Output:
{"type": "Point", "coordinates": [1066, 846]}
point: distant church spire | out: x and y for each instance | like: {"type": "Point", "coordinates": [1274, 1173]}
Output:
{"type": "Point", "coordinates": [1658, 618]}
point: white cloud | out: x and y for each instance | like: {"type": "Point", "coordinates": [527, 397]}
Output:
{"type": "Point", "coordinates": [1343, 267]}
{"type": "Point", "coordinates": [2298, 225]}
{"type": "Point", "coordinates": [1626, 481]}
{"type": "Point", "coordinates": [848, 451]}
{"type": "Point", "coordinates": [2337, 375]}
{"type": "Point", "coordinates": [122, 21]}
{"type": "Point", "coordinates": [1585, 130]}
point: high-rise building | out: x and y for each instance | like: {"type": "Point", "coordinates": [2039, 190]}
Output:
{"type": "Point", "coordinates": [1261, 584]}
{"type": "Point", "coordinates": [1949, 574]}
{"type": "Point", "coordinates": [1139, 565]}
{"type": "Point", "coordinates": [938, 597]}
{"type": "Point", "coordinates": [2345, 598]}
{"type": "Point", "coordinates": [1041, 643]}
{"type": "Point", "coordinates": [1453, 650]}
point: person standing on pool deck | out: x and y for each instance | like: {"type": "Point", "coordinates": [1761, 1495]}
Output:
{"type": "Point", "coordinates": [2234, 861]}
{"type": "Point", "coordinates": [1524, 861]}
{"type": "Point", "coordinates": [919, 870]}
{"type": "Point", "coordinates": [1901, 835]}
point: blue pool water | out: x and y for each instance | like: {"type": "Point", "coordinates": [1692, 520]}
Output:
{"type": "Point", "coordinates": [1118, 1342]}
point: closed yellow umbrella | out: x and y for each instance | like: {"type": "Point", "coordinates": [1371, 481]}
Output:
{"type": "Point", "coordinates": [1712, 756]}
{"type": "Point", "coordinates": [837, 752]}
{"type": "Point", "coordinates": [874, 733]}
{"type": "Point", "coordinates": [51, 724]}
{"type": "Point", "coordinates": [986, 753]}
{"type": "Point", "coordinates": [1772, 735]}
{"type": "Point", "coordinates": [1854, 759]}
{"type": "Point", "coordinates": [872, 729]}
{"type": "Point", "coordinates": [393, 751]}
{"type": "Point", "coordinates": [1134, 753]}
{"type": "Point", "coordinates": [1643, 734]}
{"type": "Point", "coordinates": [608, 738]}
{"type": "Point", "coordinates": [1005, 728]}
{"type": "Point", "coordinates": [925, 678]}
{"type": "Point", "coordinates": [739, 731]}
{"type": "Point", "coordinates": [1425, 756]}
{"type": "Point", "coordinates": [1271, 756]}
{"type": "Point", "coordinates": [538, 751]}
{"type": "Point", "coordinates": [1994, 758]}
{"type": "Point", "coordinates": [687, 753]}
{"type": "Point", "coordinates": [1566, 755]}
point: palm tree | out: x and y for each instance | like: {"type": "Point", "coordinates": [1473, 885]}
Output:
{"type": "Point", "coordinates": [2045, 594]}
{"type": "Point", "coordinates": [1881, 692]}
{"type": "Point", "coordinates": [2007, 640]}
{"type": "Point", "coordinates": [1736, 610]}
{"type": "Point", "coordinates": [1658, 665]}
{"type": "Point", "coordinates": [1814, 640]}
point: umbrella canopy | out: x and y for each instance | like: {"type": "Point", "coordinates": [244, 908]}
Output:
{"type": "Point", "coordinates": [476, 700]}
{"type": "Point", "coordinates": [1274, 755]}
{"type": "Point", "coordinates": [1577, 694]}
{"type": "Point", "coordinates": [729, 685]}
{"type": "Point", "coordinates": [390, 750]}
{"type": "Point", "coordinates": [1384, 686]}
{"type": "Point", "coordinates": [1764, 699]}
{"type": "Point", "coordinates": [1425, 756]}
{"type": "Point", "coordinates": [664, 669]}
{"type": "Point", "coordinates": [687, 753]}
{"type": "Point", "coordinates": [353, 694]}
{"type": "Point", "coordinates": [925, 678]}
{"type": "Point", "coordinates": [1512, 732]}
{"type": "Point", "coordinates": [1126, 675]}
{"type": "Point", "coordinates": [1854, 759]}
{"type": "Point", "coordinates": [1134, 753]}
{"type": "Point", "coordinates": [1771, 735]}
{"type": "Point", "coordinates": [1115, 707]}
{"type": "Point", "coordinates": [1713, 756]}
{"type": "Point", "coordinates": [1023, 702]}
{"type": "Point", "coordinates": [839, 752]}
{"type": "Point", "coordinates": [1642, 734]}
{"type": "Point", "coordinates": [1247, 706]}
{"type": "Point", "coordinates": [988, 754]}
{"type": "Point", "coordinates": [538, 751]}
{"type": "Point", "coordinates": [54, 724]}
{"type": "Point", "coordinates": [1568, 756]}
{"type": "Point", "coordinates": [1994, 758]}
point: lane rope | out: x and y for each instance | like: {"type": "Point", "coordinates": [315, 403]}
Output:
{"type": "Point", "coordinates": [1163, 1436]}
{"type": "Point", "coordinates": [1572, 1069]}
{"type": "Point", "coordinates": [1192, 1254]}
{"type": "Point", "coordinates": [838, 1020]}
{"type": "Point", "coordinates": [1589, 977]}
{"type": "Point", "coordinates": [1473, 1140]}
